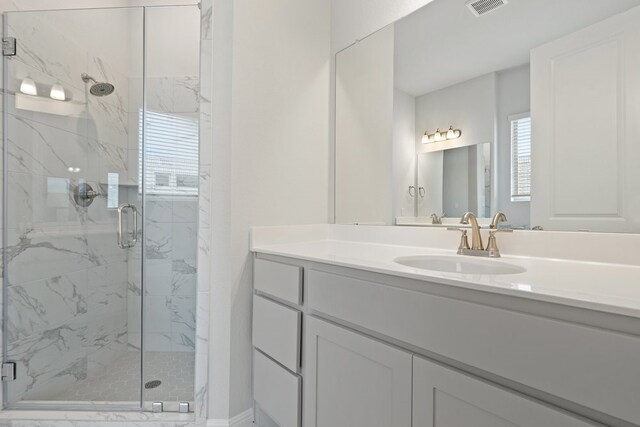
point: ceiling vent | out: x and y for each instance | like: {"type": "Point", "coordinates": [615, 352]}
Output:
{"type": "Point", "coordinates": [482, 7]}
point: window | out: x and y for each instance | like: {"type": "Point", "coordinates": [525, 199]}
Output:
{"type": "Point", "coordinates": [520, 157]}
{"type": "Point", "coordinates": [171, 162]}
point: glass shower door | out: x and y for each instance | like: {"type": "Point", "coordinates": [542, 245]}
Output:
{"type": "Point", "coordinates": [171, 139]}
{"type": "Point", "coordinates": [73, 264]}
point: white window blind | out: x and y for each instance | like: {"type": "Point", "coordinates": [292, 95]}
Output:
{"type": "Point", "coordinates": [520, 157]}
{"type": "Point", "coordinates": [171, 147]}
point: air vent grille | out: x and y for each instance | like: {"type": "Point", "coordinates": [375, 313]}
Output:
{"type": "Point", "coordinates": [482, 7]}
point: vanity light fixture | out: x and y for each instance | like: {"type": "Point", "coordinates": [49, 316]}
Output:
{"type": "Point", "coordinates": [57, 92]}
{"type": "Point", "coordinates": [441, 136]}
{"type": "Point", "coordinates": [28, 86]}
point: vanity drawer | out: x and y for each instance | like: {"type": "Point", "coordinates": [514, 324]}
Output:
{"type": "Point", "coordinates": [276, 331]}
{"type": "Point", "coordinates": [276, 391]}
{"type": "Point", "coordinates": [282, 281]}
{"type": "Point", "coordinates": [592, 367]}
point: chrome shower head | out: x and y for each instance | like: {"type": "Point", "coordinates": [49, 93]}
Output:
{"type": "Point", "coordinates": [98, 88]}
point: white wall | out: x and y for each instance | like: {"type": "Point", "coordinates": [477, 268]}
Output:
{"type": "Point", "coordinates": [353, 20]}
{"type": "Point", "coordinates": [468, 106]}
{"type": "Point", "coordinates": [403, 169]}
{"type": "Point", "coordinates": [513, 98]}
{"type": "Point", "coordinates": [269, 160]}
{"type": "Point", "coordinates": [364, 130]}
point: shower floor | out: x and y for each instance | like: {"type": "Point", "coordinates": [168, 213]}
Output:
{"type": "Point", "coordinates": [121, 381]}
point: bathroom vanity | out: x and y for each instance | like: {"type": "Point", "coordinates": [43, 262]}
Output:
{"type": "Point", "coordinates": [345, 335]}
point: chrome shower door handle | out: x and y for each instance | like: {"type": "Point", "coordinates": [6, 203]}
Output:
{"type": "Point", "coordinates": [121, 242]}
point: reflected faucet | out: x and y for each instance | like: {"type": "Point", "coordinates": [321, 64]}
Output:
{"type": "Point", "coordinates": [476, 237]}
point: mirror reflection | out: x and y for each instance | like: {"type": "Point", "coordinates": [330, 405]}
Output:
{"type": "Point", "coordinates": [454, 181]}
{"type": "Point", "coordinates": [527, 109]}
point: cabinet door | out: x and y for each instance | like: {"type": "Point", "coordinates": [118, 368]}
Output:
{"type": "Point", "coordinates": [444, 397]}
{"type": "Point", "coordinates": [353, 381]}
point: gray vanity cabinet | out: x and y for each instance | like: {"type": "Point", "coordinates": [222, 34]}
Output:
{"type": "Point", "coordinates": [352, 380]}
{"type": "Point", "coordinates": [339, 347]}
{"type": "Point", "coordinates": [443, 397]}
{"type": "Point", "coordinates": [277, 331]}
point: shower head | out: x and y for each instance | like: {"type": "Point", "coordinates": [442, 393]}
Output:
{"type": "Point", "coordinates": [98, 88]}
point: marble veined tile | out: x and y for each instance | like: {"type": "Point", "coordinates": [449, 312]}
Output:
{"type": "Point", "coordinates": [204, 197]}
{"type": "Point", "coordinates": [101, 68]}
{"type": "Point", "coordinates": [158, 209]}
{"type": "Point", "coordinates": [183, 277]}
{"type": "Point", "coordinates": [107, 288]}
{"type": "Point", "coordinates": [39, 254]}
{"type": "Point", "coordinates": [40, 149]}
{"type": "Point", "coordinates": [184, 241]}
{"type": "Point", "coordinates": [186, 94]}
{"type": "Point", "coordinates": [107, 123]}
{"type": "Point", "coordinates": [206, 20]}
{"type": "Point", "coordinates": [35, 200]}
{"type": "Point", "coordinates": [46, 355]}
{"type": "Point", "coordinates": [38, 306]}
{"type": "Point", "coordinates": [185, 210]}
{"type": "Point", "coordinates": [158, 242]}
{"type": "Point", "coordinates": [104, 158]}
{"type": "Point", "coordinates": [45, 48]}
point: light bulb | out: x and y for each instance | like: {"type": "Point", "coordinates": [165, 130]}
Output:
{"type": "Point", "coordinates": [28, 86]}
{"type": "Point", "coordinates": [425, 137]}
{"type": "Point", "coordinates": [451, 134]}
{"type": "Point", "coordinates": [57, 92]}
{"type": "Point", "coordinates": [437, 136]}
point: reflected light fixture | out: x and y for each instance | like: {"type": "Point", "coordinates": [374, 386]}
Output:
{"type": "Point", "coordinates": [28, 86]}
{"type": "Point", "coordinates": [57, 92]}
{"type": "Point", "coordinates": [426, 138]}
{"type": "Point", "coordinates": [453, 133]}
{"type": "Point", "coordinates": [441, 136]}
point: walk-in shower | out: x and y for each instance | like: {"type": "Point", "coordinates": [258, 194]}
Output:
{"type": "Point", "coordinates": [100, 208]}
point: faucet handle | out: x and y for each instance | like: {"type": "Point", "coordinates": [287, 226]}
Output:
{"type": "Point", "coordinates": [464, 240]}
{"type": "Point", "coordinates": [492, 244]}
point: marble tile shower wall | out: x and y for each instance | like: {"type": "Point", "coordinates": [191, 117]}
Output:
{"type": "Point", "coordinates": [67, 279]}
{"type": "Point", "coordinates": [170, 234]}
{"type": "Point", "coordinates": [204, 213]}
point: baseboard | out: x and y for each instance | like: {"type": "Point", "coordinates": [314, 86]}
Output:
{"type": "Point", "coordinates": [245, 419]}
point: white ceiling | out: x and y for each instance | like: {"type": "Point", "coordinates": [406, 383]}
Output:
{"type": "Point", "coordinates": [444, 43]}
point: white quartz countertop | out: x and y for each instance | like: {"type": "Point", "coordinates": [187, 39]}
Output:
{"type": "Point", "coordinates": [607, 287]}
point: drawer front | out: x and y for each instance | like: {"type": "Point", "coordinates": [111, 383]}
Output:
{"type": "Point", "coordinates": [276, 331]}
{"type": "Point", "coordinates": [276, 391]}
{"type": "Point", "coordinates": [571, 361]}
{"type": "Point", "coordinates": [279, 280]}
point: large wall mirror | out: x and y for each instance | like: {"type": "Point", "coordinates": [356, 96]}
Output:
{"type": "Point", "coordinates": [527, 107]}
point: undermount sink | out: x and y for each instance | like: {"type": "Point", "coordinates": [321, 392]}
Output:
{"type": "Point", "coordinates": [459, 264]}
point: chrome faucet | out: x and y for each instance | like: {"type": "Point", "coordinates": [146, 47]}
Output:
{"type": "Point", "coordinates": [477, 248]}
{"type": "Point", "coordinates": [476, 237]}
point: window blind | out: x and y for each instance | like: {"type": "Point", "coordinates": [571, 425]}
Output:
{"type": "Point", "coordinates": [171, 150]}
{"type": "Point", "coordinates": [520, 158]}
